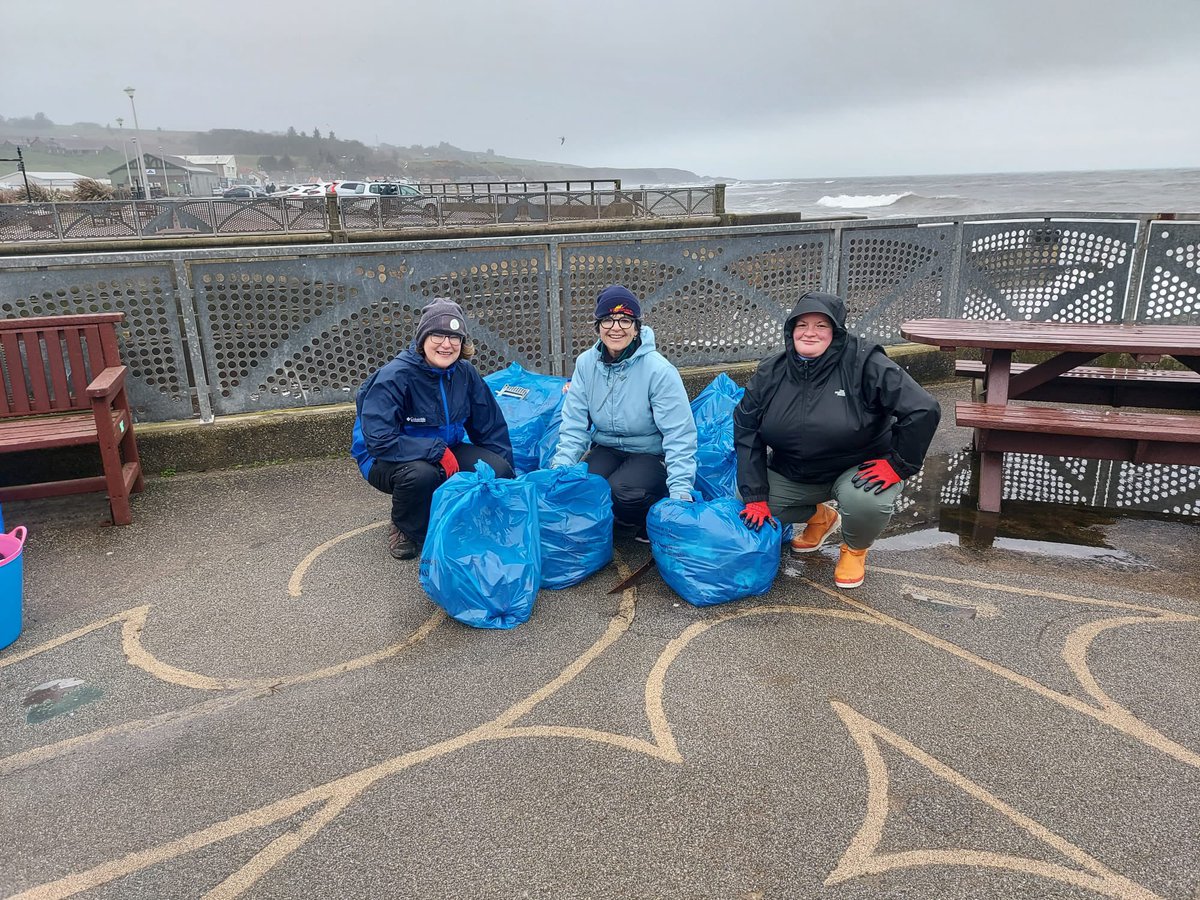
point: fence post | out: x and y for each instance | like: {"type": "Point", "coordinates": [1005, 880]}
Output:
{"type": "Point", "coordinates": [718, 199]}
{"type": "Point", "coordinates": [1132, 302]}
{"type": "Point", "coordinates": [186, 300]}
{"type": "Point", "coordinates": [951, 306]}
{"type": "Point", "coordinates": [334, 216]}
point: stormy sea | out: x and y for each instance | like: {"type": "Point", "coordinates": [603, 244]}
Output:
{"type": "Point", "coordinates": [1118, 191]}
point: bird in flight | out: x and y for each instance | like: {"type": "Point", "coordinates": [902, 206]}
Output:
{"type": "Point", "coordinates": [561, 141]}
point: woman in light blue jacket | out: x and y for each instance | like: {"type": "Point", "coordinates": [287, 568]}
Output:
{"type": "Point", "coordinates": [644, 442]}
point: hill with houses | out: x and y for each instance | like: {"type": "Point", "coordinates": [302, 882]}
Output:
{"type": "Point", "coordinates": [102, 151]}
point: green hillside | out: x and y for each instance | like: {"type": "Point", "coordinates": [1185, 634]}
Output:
{"type": "Point", "coordinates": [291, 156]}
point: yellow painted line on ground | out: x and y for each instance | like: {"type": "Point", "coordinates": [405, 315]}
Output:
{"type": "Point", "coordinates": [296, 581]}
{"type": "Point", "coordinates": [1113, 715]}
{"type": "Point", "coordinates": [338, 794]}
{"type": "Point", "coordinates": [862, 856]}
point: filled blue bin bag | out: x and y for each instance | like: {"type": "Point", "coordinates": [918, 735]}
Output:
{"type": "Point", "coordinates": [576, 523]}
{"type": "Point", "coordinates": [716, 462]}
{"type": "Point", "coordinates": [707, 554]}
{"type": "Point", "coordinates": [529, 402]}
{"type": "Point", "coordinates": [481, 561]}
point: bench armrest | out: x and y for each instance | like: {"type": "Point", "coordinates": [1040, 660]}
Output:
{"type": "Point", "coordinates": [105, 385]}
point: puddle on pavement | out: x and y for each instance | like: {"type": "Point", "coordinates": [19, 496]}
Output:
{"type": "Point", "coordinates": [938, 507]}
{"type": "Point", "coordinates": [54, 698]}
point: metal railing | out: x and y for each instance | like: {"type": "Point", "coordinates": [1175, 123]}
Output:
{"type": "Point", "coordinates": [455, 188]}
{"type": "Point", "coordinates": [117, 219]}
{"type": "Point", "coordinates": [231, 330]}
{"type": "Point", "coordinates": [109, 219]}
{"type": "Point", "coordinates": [387, 213]}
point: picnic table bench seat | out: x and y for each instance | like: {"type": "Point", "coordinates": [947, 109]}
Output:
{"type": "Point", "coordinates": [1137, 437]}
{"type": "Point", "coordinates": [62, 384]}
{"type": "Point", "coordinates": [1107, 385]}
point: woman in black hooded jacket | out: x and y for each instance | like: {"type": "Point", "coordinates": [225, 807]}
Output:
{"type": "Point", "coordinates": [842, 422]}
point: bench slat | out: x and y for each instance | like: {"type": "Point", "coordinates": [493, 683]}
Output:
{"type": "Point", "coordinates": [1079, 421]}
{"type": "Point", "coordinates": [36, 363]}
{"type": "Point", "coordinates": [79, 379]}
{"type": "Point", "coordinates": [58, 370]}
{"type": "Point", "coordinates": [975, 369]}
{"type": "Point", "coordinates": [91, 336]}
{"type": "Point", "coordinates": [53, 431]}
{"type": "Point", "coordinates": [15, 364]}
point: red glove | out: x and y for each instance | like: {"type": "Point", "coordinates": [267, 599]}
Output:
{"type": "Point", "coordinates": [875, 472]}
{"type": "Point", "coordinates": [448, 462]}
{"type": "Point", "coordinates": [756, 513]}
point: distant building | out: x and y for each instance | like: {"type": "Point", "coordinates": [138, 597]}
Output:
{"type": "Point", "coordinates": [225, 166]}
{"type": "Point", "coordinates": [168, 175]}
{"type": "Point", "coordinates": [60, 181]}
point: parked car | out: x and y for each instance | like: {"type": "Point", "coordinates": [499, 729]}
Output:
{"type": "Point", "coordinates": [366, 189]}
{"type": "Point", "coordinates": [243, 192]}
{"type": "Point", "coordinates": [307, 190]}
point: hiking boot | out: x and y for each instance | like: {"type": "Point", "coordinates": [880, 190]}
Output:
{"type": "Point", "coordinates": [826, 521]}
{"type": "Point", "coordinates": [851, 568]}
{"type": "Point", "coordinates": [400, 545]}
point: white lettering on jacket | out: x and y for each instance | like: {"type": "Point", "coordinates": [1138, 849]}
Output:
{"type": "Point", "coordinates": [416, 420]}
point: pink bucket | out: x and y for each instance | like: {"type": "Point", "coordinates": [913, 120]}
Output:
{"type": "Point", "coordinates": [11, 585]}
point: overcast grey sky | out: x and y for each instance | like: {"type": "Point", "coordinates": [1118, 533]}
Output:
{"type": "Point", "coordinates": [748, 89]}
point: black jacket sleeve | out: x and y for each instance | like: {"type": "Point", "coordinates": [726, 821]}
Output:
{"type": "Point", "coordinates": [751, 449]}
{"type": "Point", "coordinates": [888, 389]}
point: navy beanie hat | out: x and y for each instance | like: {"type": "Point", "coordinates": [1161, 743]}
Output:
{"type": "Point", "coordinates": [442, 315]}
{"type": "Point", "coordinates": [616, 299]}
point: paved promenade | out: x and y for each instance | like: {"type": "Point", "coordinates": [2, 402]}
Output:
{"type": "Point", "coordinates": [242, 695]}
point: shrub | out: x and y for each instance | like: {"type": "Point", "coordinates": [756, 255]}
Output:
{"type": "Point", "coordinates": [91, 189]}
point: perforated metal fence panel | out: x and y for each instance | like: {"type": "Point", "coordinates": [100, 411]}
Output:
{"type": "Point", "coordinates": [718, 297]}
{"type": "Point", "coordinates": [270, 328]}
{"type": "Point", "coordinates": [297, 332]}
{"type": "Point", "coordinates": [892, 274]}
{"type": "Point", "coordinates": [1170, 291]}
{"type": "Point", "coordinates": [150, 336]}
{"type": "Point", "coordinates": [1059, 271]}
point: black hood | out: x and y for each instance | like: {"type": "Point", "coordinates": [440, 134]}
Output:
{"type": "Point", "coordinates": [815, 301]}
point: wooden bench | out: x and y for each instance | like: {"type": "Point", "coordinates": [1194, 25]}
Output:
{"type": "Point", "coordinates": [1088, 433]}
{"type": "Point", "coordinates": [1106, 386]}
{"type": "Point", "coordinates": [62, 384]}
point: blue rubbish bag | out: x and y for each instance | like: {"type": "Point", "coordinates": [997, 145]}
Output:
{"type": "Point", "coordinates": [576, 523]}
{"type": "Point", "coordinates": [529, 402]}
{"type": "Point", "coordinates": [716, 462]}
{"type": "Point", "coordinates": [481, 561]}
{"type": "Point", "coordinates": [707, 554]}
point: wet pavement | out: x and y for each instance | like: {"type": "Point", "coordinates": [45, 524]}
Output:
{"type": "Point", "coordinates": [242, 695]}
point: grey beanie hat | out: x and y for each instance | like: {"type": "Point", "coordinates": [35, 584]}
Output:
{"type": "Point", "coordinates": [442, 315]}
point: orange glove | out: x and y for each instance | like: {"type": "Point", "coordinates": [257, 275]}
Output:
{"type": "Point", "coordinates": [755, 514]}
{"type": "Point", "coordinates": [877, 474]}
{"type": "Point", "coordinates": [448, 462]}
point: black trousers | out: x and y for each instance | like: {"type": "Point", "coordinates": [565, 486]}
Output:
{"type": "Point", "coordinates": [637, 481]}
{"type": "Point", "coordinates": [412, 484]}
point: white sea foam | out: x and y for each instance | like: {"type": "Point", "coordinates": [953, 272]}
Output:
{"type": "Point", "coordinates": [861, 201]}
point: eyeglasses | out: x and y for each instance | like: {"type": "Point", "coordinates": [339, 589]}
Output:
{"type": "Point", "coordinates": [622, 322]}
{"type": "Point", "coordinates": [455, 340]}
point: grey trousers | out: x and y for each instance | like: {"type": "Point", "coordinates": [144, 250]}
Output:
{"type": "Point", "coordinates": [864, 513]}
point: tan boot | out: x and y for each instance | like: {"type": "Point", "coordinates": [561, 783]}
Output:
{"type": "Point", "coordinates": [851, 568]}
{"type": "Point", "coordinates": [817, 530]}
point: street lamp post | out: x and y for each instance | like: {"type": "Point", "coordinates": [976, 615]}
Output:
{"type": "Point", "coordinates": [125, 148]}
{"type": "Point", "coordinates": [136, 143]}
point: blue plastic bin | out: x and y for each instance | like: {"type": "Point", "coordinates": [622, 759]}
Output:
{"type": "Point", "coordinates": [11, 585]}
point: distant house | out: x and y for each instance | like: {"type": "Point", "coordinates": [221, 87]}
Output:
{"type": "Point", "coordinates": [61, 181]}
{"type": "Point", "coordinates": [168, 175]}
{"type": "Point", "coordinates": [224, 165]}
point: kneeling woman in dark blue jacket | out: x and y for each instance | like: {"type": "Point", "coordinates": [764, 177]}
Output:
{"type": "Point", "coordinates": [413, 415]}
